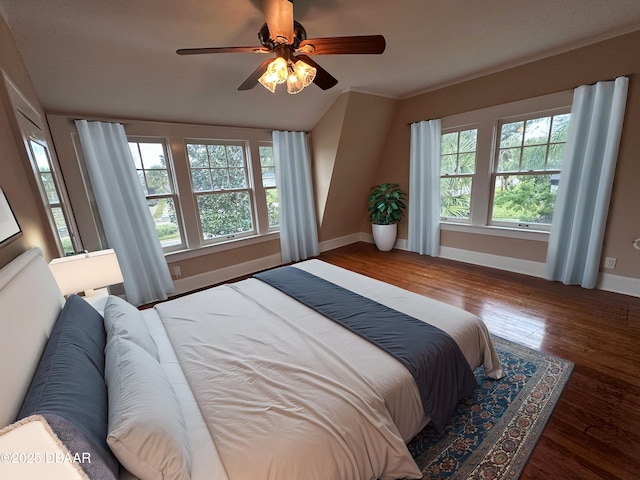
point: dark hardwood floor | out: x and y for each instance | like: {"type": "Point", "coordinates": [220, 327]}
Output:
{"type": "Point", "coordinates": [594, 432]}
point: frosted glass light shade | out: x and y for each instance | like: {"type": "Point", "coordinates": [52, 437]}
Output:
{"type": "Point", "coordinates": [268, 83]}
{"type": "Point", "coordinates": [304, 72]}
{"type": "Point", "coordinates": [298, 75]}
{"type": "Point", "coordinates": [275, 74]}
{"type": "Point", "coordinates": [294, 84]}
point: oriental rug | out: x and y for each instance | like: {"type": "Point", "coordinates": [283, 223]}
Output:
{"type": "Point", "coordinates": [496, 427]}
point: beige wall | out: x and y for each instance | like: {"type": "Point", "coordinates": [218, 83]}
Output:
{"type": "Point", "coordinates": [601, 61]}
{"type": "Point", "coordinates": [16, 177]}
{"type": "Point", "coordinates": [346, 149]}
{"type": "Point", "coordinates": [229, 258]}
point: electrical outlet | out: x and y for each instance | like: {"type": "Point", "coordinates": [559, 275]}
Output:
{"type": "Point", "coordinates": [610, 262]}
{"type": "Point", "coordinates": [177, 272]}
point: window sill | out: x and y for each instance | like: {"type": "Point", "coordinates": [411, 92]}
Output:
{"type": "Point", "coordinates": [537, 235]}
{"type": "Point", "coordinates": [220, 247]}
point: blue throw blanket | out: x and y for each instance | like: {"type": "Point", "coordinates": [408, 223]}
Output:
{"type": "Point", "coordinates": [439, 368]}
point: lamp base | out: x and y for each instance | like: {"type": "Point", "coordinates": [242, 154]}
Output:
{"type": "Point", "coordinates": [98, 292]}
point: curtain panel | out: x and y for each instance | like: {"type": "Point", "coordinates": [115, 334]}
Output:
{"type": "Point", "coordinates": [424, 188]}
{"type": "Point", "coordinates": [124, 212]}
{"type": "Point", "coordinates": [298, 227]}
{"type": "Point", "coordinates": [584, 190]}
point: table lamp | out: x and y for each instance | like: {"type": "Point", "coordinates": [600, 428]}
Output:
{"type": "Point", "coordinates": [86, 272]}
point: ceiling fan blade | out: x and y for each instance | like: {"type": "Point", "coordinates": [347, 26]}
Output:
{"type": "Point", "coordinates": [323, 78]}
{"type": "Point", "coordinates": [252, 80]}
{"type": "Point", "coordinates": [198, 51]}
{"type": "Point", "coordinates": [279, 18]}
{"type": "Point", "coordinates": [364, 44]}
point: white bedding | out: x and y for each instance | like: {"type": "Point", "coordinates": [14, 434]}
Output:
{"type": "Point", "coordinates": [317, 401]}
{"type": "Point", "coordinates": [206, 462]}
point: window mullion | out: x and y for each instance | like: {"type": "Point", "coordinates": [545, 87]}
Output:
{"type": "Point", "coordinates": [481, 189]}
{"type": "Point", "coordinates": [262, 219]}
{"type": "Point", "coordinates": [183, 188]}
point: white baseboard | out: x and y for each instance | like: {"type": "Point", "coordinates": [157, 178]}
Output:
{"type": "Point", "coordinates": [195, 282]}
{"type": "Point", "coordinates": [606, 281]}
{"type": "Point", "coordinates": [516, 265]}
{"type": "Point", "coordinates": [340, 242]}
{"type": "Point", "coordinates": [619, 284]}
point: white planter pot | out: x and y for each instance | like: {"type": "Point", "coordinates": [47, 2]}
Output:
{"type": "Point", "coordinates": [384, 236]}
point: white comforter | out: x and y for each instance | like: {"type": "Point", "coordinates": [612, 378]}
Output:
{"type": "Point", "coordinates": [288, 394]}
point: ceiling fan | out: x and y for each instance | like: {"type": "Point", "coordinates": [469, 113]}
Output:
{"type": "Point", "coordinates": [287, 39]}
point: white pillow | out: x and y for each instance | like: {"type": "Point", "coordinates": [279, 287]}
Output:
{"type": "Point", "coordinates": [124, 320]}
{"type": "Point", "coordinates": [30, 449]}
{"type": "Point", "coordinates": [146, 428]}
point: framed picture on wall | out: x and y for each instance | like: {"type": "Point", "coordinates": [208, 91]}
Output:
{"type": "Point", "coordinates": [9, 228]}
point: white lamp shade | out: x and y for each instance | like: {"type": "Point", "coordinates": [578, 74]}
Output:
{"type": "Point", "coordinates": [86, 271]}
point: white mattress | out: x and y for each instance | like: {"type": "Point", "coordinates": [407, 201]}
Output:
{"type": "Point", "coordinates": [385, 374]}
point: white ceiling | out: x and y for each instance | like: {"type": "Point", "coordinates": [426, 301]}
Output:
{"type": "Point", "coordinates": [115, 58]}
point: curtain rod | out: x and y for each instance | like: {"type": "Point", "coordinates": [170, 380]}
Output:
{"type": "Point", "coordinates": [628, 75]}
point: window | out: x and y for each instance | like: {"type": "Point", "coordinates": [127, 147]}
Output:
{"type": "Point", "coordinates": [527, 169]}
{"type": "Point", "coordinates": [500, 166]}
{"type": "Point", "coordinates": [220, 183]}
{"type": "Point", "coordinates": [46, 169]}
{"type": "Point", "coordinates": [151, 163]}
{"type": "Point", "coordinates": [457, 167]}
{"type": "Point", "coordinates": [230, 188]}
{"type": "Point", "coordinates": [47, 179]}
{"type": "Point", "coordinates": [268, 170]}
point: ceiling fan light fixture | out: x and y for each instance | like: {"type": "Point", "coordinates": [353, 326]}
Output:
{"type": "Point", "coordinates": [294, 84]}
{"type": "Point", "coordinates": [275, 74]}
{"type": "Point", "coordinates": [304, 72]}
{"type": "Point", "coordinates": [283, 35]}
{"type": "Point", "coordinates": [279, 69]}
{"type": "Point", "coordinates": [297, 75]}
{"type": "Point", "coordinates": [268, 84]}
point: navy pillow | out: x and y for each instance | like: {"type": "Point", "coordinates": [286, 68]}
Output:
{"type": "Point", "coordinates": [69, 390]}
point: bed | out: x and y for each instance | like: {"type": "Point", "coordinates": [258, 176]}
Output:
{"type": "Point", "coordinates": [239, 381]}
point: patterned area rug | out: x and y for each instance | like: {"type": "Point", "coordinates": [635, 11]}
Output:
{"type": "Point", "coordinates": [496, 427]}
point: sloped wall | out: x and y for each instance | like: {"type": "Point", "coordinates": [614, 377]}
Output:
{"type": "Point", "coordinates": [346, 149]}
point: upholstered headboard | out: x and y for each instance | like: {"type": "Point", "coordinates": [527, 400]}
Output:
{"type": "Point", "coordinates": [30, 302]}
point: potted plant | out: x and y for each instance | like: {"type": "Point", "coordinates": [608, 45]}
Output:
{"type": "Point", "coordinates": [386, 208]}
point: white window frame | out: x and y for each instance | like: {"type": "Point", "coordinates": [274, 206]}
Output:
{"type": "Point", "coordinates": [495, 174]}
{"type": "Point", "coordinates": [458, 129]}
{"type": "Point", "coordinates": [486, 121]}
{"type": "Point", "coordinates": [172, 183]}
{"type": "Point", "coordinates": [33, 128]}
{"type": "Point", "coordinates": [249, 189]}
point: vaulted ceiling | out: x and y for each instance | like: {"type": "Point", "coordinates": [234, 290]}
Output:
{"type": "Point", "coordinates": [118, 59]}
